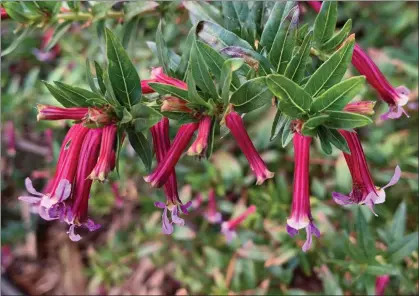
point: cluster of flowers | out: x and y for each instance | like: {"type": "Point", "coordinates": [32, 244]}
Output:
{"type": "Point", "coordinates": [86, 154]}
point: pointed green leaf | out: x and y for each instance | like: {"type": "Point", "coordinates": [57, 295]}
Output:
{"type": "Point", "coordinates": [336, 97]}
{"type": "Point", "coordinates": [99, 76]}
{"type": "Point", "coordinates": [338, 140]}
{"type": "Point", "coordinates": [325, 23]}
{"type": "Point", "coordinates": [58, 34]}
{"type": "Point", "coordinates": [338, 39]}
{"type": "Point", "coordinates": [364, 237]}
{"type": "Point", "coordinates": [162, 50]}
{"type": "Point", "coordinates": [229, 66]}
{"type": "Point", "coordinates": [278, 124]}
{"type": "Point", "coordinates": [16, 11]}
{"type": "Point", "coordinates": [324, 137]}
{"type": "Point", "coordinates": [141, 146]}
{"type": "Point", "coordinates": [128, 29]}
{"type": "Point", "coordinates": [110, 94]}
{"type": "Point", "coordinates": [278, 13]}
{"type": "Point", "coordinates": [251, 95]}
{"type": "Point", "coordinates": [144, 117]}
{"type": "Point", "coordinates": [90, 78]}
{"type": "Point", "coordinates": [310, 126]}
{"type": "Point", "coordinates": [134, 9]}
{"type": "Point", "coordinates": [287, 133]}
{"type": "Point", "coordinates": [283, 44]}
{"type": "Point", "coordinates": [61, 96]}
{"type": "Point", "coordinates": [398, 225]}
{"type": "Point", "coordinates": [185, 58]}
{"type": "Point", "coordinates": [403, 247]}
{"type": "Point", "coordinates": [119, 142]}
{"type": "Point", "coordinates": [174, 58]}
{"type": "Point", "coordinates": [122, 73]}
{"type": "Point", "coordinates": [79, 96]}
{"type": "Point", "coordinates": [17, 40]}
{"type": "Point", "coordinates": [331, 71]}
{"type": "Point", "coordinates": [166, 89]}
{"type": "Point", "coordinates": [201, 10]}
{"type": "Point", "coordinates": [294, 101]}
{"type": "Point", "coordinates": [251, 57]}
{"type": "Point", "coordinates": [386, 269]}
{"type": "Point", "coordinates": [193, 95]}
{"type": "Point", "coordinates": [346, 120]}
{"type": "Point", "coordinates": [296, 68]}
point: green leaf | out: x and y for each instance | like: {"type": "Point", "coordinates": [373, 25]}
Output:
{"type": "Point", "coordinates": [287, 133]}
{"type": "Point", "coordinates": [144, 117]}
{"type": "Point", "coordinates": [215, 125]}
{"type": "Point", "coordinates": [338, 140]}
{"type": "Point", "coordinates": [235, 14]}
{"type": "Point", "coordinates": [212, 58]}
{"type": "Point", "coordinates": [201, 10]}
{"type": "Point", "coordinates": [294, 101]}
{"type": "Point", "coordinates": [338, 38]}
{"type": "Point", "coordinates": [49, 6]}
{"type": "Point", "coordinates": [74, 5]}
{"type": "Point", "coordinates": [364, 237]}
{"type": "Point", "coordinates": [33, 7]}
{"type": "Point", "coordinates": [58, 33]}
{"type": "Point", "coordinates": [402, 248]}
{"type": "Point", "coordinates": [278, 124]}
{"type": "Point", "coordinates": [134, 9]}
{"type": "Point", "coordinates": [16, 11]}
{"type": "Point", "coordinates": [110, 94]}
{"type": "Point", "coordinates": [128, 30]}
{"type": "Point", "coordinates": [251, 95]}
{"type": "Point", "coordinates": [90, 78]}
{"type": "Point", "coordinates": [119, 142]}
{"type": "Point", "coordinates": [324, 137]}
{"type": "Point", "coordinates": [201, 74]}
{"type": "Point", "coordinates": [331, 71]}
{"type": "Point", "coordinates": [122, 73]}
{"type": "Point", "coordinates": [222, 36]}
{"type": "Point", "coordinates": [325, 23]}
{"type": "Point", "coordinates": [162, 51]}
{"type": "Point", "coordinates": [398, 225]}
{"type": "Point", "coordinates": [61, 96]}
{"type": "Point", "coordinates": [165, 89]}
{"type": "Point", "coordinates": [251, 57]}
{"type": "Point", "coordinates": [278, 13]}
{"type": "Point", "coordinates": [284, 42]}
{"type": "Point", "coordinates": [193, 95]}
{"type": "Point", "coordinates": [174, 58]}
{"type": "Point", "coordinates": [229, 66]}
{"type": "Point", "coordinates": [141, 146]}
{"type": "Point", "coordinates": [346, 120]}
{"type": "Point", "coordinates": [336, 97]}
{"type": "Point", "coordinates": [17, 40]}
{"type": "Point", "coordinates": [310, 126]}
{"type": "Point", "coordinates": [79, 96]}
{"type": "Point", "coordinates": [184, 60]}
{"type": "Point", "coordinates": [386, 269]}
{"type": "Point", "coordinates": [99, 76]}
{"type": "Point", "coordinates": [296, 68]}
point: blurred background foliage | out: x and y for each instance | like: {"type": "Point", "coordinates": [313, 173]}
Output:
{"type": "Point", "coordinates": [130, 255]}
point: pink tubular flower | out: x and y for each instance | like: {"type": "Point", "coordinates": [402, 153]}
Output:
{"type": "Point", "coordinates": [235, 123]}
{"type": "Point", "coordinates": [64, 175]}
{"type": "Point", "coordinates": [301, 212]}
{"type": "Point", "coordinates": [212, 215]}
{"type": "Point", "coordinates": [161, 143]}
{"type": "Point", "coordinates": [46, 112]}
{"type": "Point", "coordinates": [199, 146]}
{"type": "Point", "coordinates": [228, 228]}
{"type": "Point", "coordinates": [381, 283]}
{"type": "Point", "coordinates": [363, 189]}
{"type": "Point", "coordinates": [106, 155]}
{"type": "Point", "coordinates": [197, 201]}
{"type": "Point", "coordinates": [159, 77]}
{"type": "Point", "coordinates": [77, 208]}
{"type": "Point", "coordinates": [362, 107]}
{"type": "Point", "coordinates": [10, 138]}
{"type": "Point", "coordinates": [394, 97]}
{"type": "Point", "coordinates": [4, 15]}
{"type": "Point", "coordinates": [173, 104]}
{"type": "Point", "coordinates": [164, 169]}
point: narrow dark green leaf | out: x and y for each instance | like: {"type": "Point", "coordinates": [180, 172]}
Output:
{"type": "Point", "coordinates": [16, 11]}
{"type": "Point", "coordinates": [221, 36]}
{"type": "Point", "coordinates": [386, 269]}
{"type": "Point", "coordinates": [74, 5]}
{"type": "Point", "coordinates": [49, 6]}
{"type": "Point", "coordinates": [278, 13]}
{"type": "Point", "coordinates": [185, 58]}
{"type": "Point", "coordinates": [77, 95]}
{"type": "Point", "coordinates": [193, 95]}
{"type": "Point", "coordinates": [336, 97]}
{"type": "Point", "coordinates": [324, 137]}
{"type": "Point", "coordinates": [294, 101]}
{"type": "Point", "coordinates": [90, 78]}
{"type": "Point", "coordinates": [134, 9]}
{"type": "Point", "coordinates": [255, 60]}
{"type": "Point", "coordinates": [110, 94]}
{"type": "Point", "coordinates": [128, 30]}
{"type": "Point", "coordinates": [233, 15]}
{"type": "Point", "coordinates": [122, 73]}
{"type": "Point", "coordinates": [338, 39]}
{"type": "Point", "coordinates": [58, 34]}
{"type": "Point", "coordinates": [346, 120]}
{"type": "Point", "coordinates": [162, 51]}
{"type": "Point", "coordinates": [166, 89]}
{"type": "Point", "coordinates": [403, 247]}
{"type": "Point", "coordinates": [331, 71]}
{"type": "Point", "coordinates": [283, 44]}
{"type": "Point", "coordinates": [201, 74]}
{"type": "Point", "coordinates": [364, 237]}
{"type": "Point", "coordinates": [251, 95]}
{"type": "Point", "coordinates": [278, 124]}
{"type": "Point", "coordinates": [212, 58]}
{"type": "Point", "coordinates": [287, 133]}
{"type": "Point", "coordinates": [33, 7]}
{"type": "Point", "coordinates": [310, 126]}
{"type": "Point", "coordinates": [141, 145]}
{"type": "Point", "coordinates": [61, 96]}
{"type": "Point", "coordinates": [296, 68]}
{"type": "Point", "coordinates": [144, 117]}
{"type": "Point", "coordinates": [211, 137]}
{"type": "Point", "coordinates": [338, 140]}
{"type": "Point", "coordinates": [17, 40]}
{"type": "Point", "coordinates": [203, 11]}
{"type": "Point", "coordinates": [325, 23]}
{"type": "Point", "coordinates": [229, 66]}
{"type": "Point", "coordinates": [174, 58]}
{"type": "Point", "coordinates": [99, 76]}
{"type": "Point", "coordinates": [398, 225]}
{"type": "Point", "coordinates": [119, 142]}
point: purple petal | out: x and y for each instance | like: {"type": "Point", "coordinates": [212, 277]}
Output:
{"type": "Point", "coordinates": [30, 199]}
{"type": "Point", "coordinates": [314, 229]}
{"type": "Point", "coordinates": [228, 234]}
{"type": "Point", "coordinates": [369, 202]}
{"type": "Point", "coordinates": [310, 230]}
{"type": "Point", "coordinates": [175, 217]}
{"type": "Point", "coordinates": [166, 225]}
{"type": "Point", "coordinates": [72, 235]}
{"type": "Point", "coordinates": [44, 214]}
{"type": "Point", "coordinates": [341, 199]}
{"type": "Point", "coordinates": [214, 218]}
{"type": "Point", "coordinates": [91, 225]}
{"type": "Point", "coordinates": [30, 188]}
{"type": "Point", "coordinates": [402, 90]}
{"type": "Point", "coordinates": [393, 113]}
{"type": "Point", "coordinates": [292, 231]}
{"type": "Point", "coordinates": [184, 208]}
{"type": "Point", "coordinates": [160, 205]}
{"type": "Point", "coordinates": [395, 178]}
{"type": "Point", "coordinates": [63, 190]}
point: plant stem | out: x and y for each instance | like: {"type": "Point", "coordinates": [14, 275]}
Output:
{"type": "Point", "coordinates": [85, 16]}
